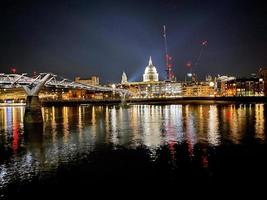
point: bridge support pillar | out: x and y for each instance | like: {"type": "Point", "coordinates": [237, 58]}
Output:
{"type": "Point", "coordinates": [33, 112]}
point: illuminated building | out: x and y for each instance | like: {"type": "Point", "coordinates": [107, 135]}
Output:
{"type": "Point", "coordinates": [150, 74]}
{"type": "Point", "coordinates": [124, 78]}
{"type": "Point", "coordinates": [201, 89]}
{"type": "Point", "coordinates": [209, 78]}
{"type": "Point", "coordinates": [245, 87]}
{"type": "Point", "coordinates": [14, 95]}
{"type": "Point", "coordinates": [94, 80]}
{"type": "Point", "coordinates": [194, 78]}
{"type": "Point", "coordinates": [191, 78]}
{"type": "Point", "coordinates": [263, 77]}
{"type": "Point", "coordinates": [220, 85]}
{"type": "Point", "coordinates": [158, 89]}
{"type": "Point", "coordinates": [151, 87]}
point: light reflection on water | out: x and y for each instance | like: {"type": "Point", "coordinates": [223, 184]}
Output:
{"type": "Point", "coordinates": [69, 133]}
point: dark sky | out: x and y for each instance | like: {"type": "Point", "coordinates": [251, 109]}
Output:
{"type": "Point", "coordinates": [104, 37]}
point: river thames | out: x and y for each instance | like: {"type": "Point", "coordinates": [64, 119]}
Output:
{"type": "Point", "coordinates": [99, 146]}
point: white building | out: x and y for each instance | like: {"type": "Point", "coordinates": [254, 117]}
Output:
{"type": "Point", "coordinates": [150, 74]}
{"type": "Point", "coordinates": [124, 78]}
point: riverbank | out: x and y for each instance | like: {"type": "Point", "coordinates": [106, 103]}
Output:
{"type": "Point", "coordinates": [176, 100]}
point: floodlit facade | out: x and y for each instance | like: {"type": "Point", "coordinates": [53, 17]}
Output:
{"type": "Point", "coordinates": [220, 85]}
{"type": "Point", "coordinates": [158, 89]}
{"type": "Point", "coordinates": [198, 90]}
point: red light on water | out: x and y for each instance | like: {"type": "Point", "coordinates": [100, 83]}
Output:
{"type": "Point", "coordinates": [205, 161]}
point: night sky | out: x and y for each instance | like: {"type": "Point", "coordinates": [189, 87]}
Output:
{"type": "Point", "coordinates": [105, 38]}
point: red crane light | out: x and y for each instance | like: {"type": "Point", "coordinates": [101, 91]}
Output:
{"type": "Point", "coordinates": [189, 64]}
{"type": "Point", "coordinates": [204, 43]}
{"type": "Point", "coordinates": [13, 70]}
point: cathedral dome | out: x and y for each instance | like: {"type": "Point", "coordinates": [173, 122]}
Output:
{"type": "Point", "coordinates": [150, 73]}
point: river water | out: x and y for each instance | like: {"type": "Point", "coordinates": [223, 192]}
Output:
{"type": "Point", "coordinates": [90, 146]}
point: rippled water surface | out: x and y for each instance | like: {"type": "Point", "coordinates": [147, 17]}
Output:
{"type": "Point", "coordinates": [96, 145]}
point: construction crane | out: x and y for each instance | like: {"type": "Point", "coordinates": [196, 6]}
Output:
{"type": "Point", "coordinates": [168, 59]}
{"type": "Point", "coordinates": [190, 65]}
{"type": "Point", "coordinates": [204, 44]}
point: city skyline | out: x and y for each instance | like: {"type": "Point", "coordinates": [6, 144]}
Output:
{"type": "Point", "coordinates": [104, 38]}
{"type": "Point", "coordinates": [142, 97]}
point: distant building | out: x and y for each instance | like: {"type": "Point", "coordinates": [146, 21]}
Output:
{"type": "Point", "coordinates": [245, 87]}
{"type": "Point", "coordinates": [94, 80]}
{"type": "Point", "coordinates": [158, 89]}
{"type": "Point", "coordinates": [124, 78]}
{"type": "Point", "coordinates": [191, 78]}
{"type": "Point", "coordinates": [263, 76]}
{"type": "Point", "coordinates": [201, 89]}
{"type": "Point", "coordinates": [194, 78]}
{"type": "Point", "coordinates": [150, 74]}
{"type": "Point", "coordinates": [209, 78]}
{"type": "Point", "coordinates": [220, 83]}
{"type": "Point", "coordinates": [151, 87]}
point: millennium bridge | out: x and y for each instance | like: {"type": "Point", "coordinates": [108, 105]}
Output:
{"type": "Point", "coordinates": [33, 85]}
